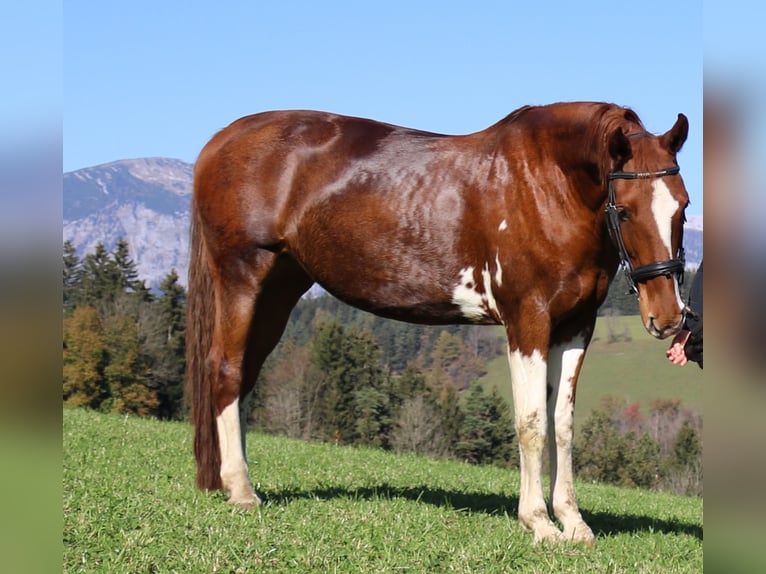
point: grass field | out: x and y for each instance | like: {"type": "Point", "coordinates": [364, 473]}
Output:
{"type": "Point", "coordinates": [635, 370]}
{"type": "Point", "coordinates": [130, 506]}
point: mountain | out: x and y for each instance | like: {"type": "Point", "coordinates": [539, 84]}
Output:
{"type": "Point", "coordinates": [693, 241]}
{"type": "Point", "coordinates": [147, 202]}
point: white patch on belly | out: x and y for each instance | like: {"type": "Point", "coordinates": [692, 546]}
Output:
{"type": "Point", "coordinates": [498, 271]}
{"type": "Point", "coordinates": [465, 296]}
{"type": "Point", "coordinates": [664, 206]}
{"type": "Point", "coordinates": [476, 304]}
{"type": "Point", "coordinates": [503, 225]}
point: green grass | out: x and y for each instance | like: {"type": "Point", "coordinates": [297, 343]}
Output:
{"type": "Point", "coordinates": [130, 506]}
{"type": "Point", "coordinates": [634, 370]}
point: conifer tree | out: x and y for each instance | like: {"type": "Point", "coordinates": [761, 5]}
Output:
{"type": "Point", "coordinates": [641, 468]}
{"type": "Point", "coordinates": [409, 384]}
{"type": "Point", "coordinates": [451, 415]}
{"type": "Point", "coordinates": [95, 278]}
{"type": "Point", "coordinates": [169, 359]}
{"type": "Point", "coordinates": [373, 421]}
{"type": "Point", "coordinates": [452, 364]}
{"type": "Point", "coordinates": [684, 468]}
{"type": "Point", "coordinates": [600, 450]}
{"type": "Point", "coordinates": [687, 449]}
{"type": "Point", "coordinates": [71, 283]}
{"type": "Point", "coordinates": [350, 365]}
{"type": "Point", "coordinates": [123, 272]}
{"type": "Point", "coordinates": [486, 433]}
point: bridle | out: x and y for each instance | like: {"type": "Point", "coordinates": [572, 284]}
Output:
{"type": "Point", "coordinates": [644, 272]}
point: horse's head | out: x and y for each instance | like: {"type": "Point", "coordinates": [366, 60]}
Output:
{"type": "Point", "coordinates": [645, 215]}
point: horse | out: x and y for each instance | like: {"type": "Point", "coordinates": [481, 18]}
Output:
{"type": "Point", "coordinates": [523, 224]}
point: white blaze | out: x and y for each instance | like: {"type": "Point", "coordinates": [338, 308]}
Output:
{"type": "Point", "coordinates": [664, 206]}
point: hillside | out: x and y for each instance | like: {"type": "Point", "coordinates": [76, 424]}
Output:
{"type": "Point", "coordinates": [634, 370]}
{"type": "Point", "coordinates": [147, 201]}
{"type": "Point", "coordinates": [130, 506]}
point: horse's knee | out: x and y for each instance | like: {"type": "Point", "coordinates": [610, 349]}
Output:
{"type": "Point", "coordinates": [531, 429]}
{"type": "Point", "coordinates": [563, 434]}
{"type": "Point", "coordinates": [226, 381]}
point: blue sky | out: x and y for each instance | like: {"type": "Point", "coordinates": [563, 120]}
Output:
{"type": "Point", "coordinates": [160, 78]}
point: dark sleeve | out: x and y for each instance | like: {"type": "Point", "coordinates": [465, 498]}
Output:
{"type": "Point", "coordinates": [693, 347]}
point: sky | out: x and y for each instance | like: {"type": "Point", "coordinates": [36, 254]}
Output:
{"type": "Point", "coordinates": [154, 78]}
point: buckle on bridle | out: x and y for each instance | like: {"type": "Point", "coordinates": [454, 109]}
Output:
{"type": "Point", "coordinates": [645, 272]}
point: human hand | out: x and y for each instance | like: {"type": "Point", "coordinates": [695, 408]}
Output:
{"type": "Point", "coordinates": [676, 352]}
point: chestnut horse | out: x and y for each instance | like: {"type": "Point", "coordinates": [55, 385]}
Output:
{"type": "Point", "coordinates": [523, 224]}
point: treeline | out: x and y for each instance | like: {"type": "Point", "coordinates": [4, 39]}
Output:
{"type": "Point", "coordinates": [123, 344]}
{"type": "Point", "coordinates": [400, 343]}
{"type": "Point", "coordinates": [350, 377]}
{"type": "Point", "coordinates": [337, 387]}
{"type": "Point", "coordinates": [663, 451]}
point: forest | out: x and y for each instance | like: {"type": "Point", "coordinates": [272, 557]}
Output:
{"type": "Point", "coordinates": [344, 376]}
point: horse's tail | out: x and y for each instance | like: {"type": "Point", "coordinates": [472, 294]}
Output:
{"type": "Point", "coordinates": [200, 316]}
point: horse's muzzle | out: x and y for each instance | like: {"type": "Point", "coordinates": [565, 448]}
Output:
{"type": "Point", "coordinates": [664, 329]}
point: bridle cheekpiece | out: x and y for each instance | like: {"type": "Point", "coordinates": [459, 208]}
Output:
{"type": "Point", "coordinates": [644, 272]}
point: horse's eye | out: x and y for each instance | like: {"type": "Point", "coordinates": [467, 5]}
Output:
{"type": "Point", "coordinates": [623, 213]}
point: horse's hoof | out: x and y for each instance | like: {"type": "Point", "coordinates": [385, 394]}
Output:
{"type": "Point", "coordinates": [581, 534]}
{"type": "Point", "coordinates": [244, 502]}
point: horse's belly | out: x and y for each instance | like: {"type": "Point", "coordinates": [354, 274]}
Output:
{"type": "Point", "coordinates": [400, 284]}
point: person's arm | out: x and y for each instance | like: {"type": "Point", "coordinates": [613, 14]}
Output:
{"type": "Point", "coordinates": [693, 343]}
{"type": "Point", "coordinates": [676, 353]}
{"type": "Point", "coordinates": [687, 344]}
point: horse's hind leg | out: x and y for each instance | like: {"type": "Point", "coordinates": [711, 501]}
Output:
{"type": "Point", "coordinates": [251, 315]}
{"type": "Point", "coordinates": [234, 301]}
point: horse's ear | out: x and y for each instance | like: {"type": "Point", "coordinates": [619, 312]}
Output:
{"type": "Point", "coordinates": [619, 148]}
{"type": "Point", "coordinates": [674, 139]}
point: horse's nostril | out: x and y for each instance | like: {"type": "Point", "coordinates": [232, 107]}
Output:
{"type": "Point", "coordinates": [655, 329]}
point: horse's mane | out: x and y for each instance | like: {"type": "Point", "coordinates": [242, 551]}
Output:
{"type": "Point", "coordinates": [591, 123]}
{"type": "Point", "coordinates": [606, 121]}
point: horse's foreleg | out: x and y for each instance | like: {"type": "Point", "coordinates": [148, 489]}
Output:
{"type": "Point", "coordinates": [528, 374]}
{"type": "Point", "coordinates": [564, 362]}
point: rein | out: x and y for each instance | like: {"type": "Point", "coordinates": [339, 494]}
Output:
{"type": "Point", "coordinates": [644, 272]}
